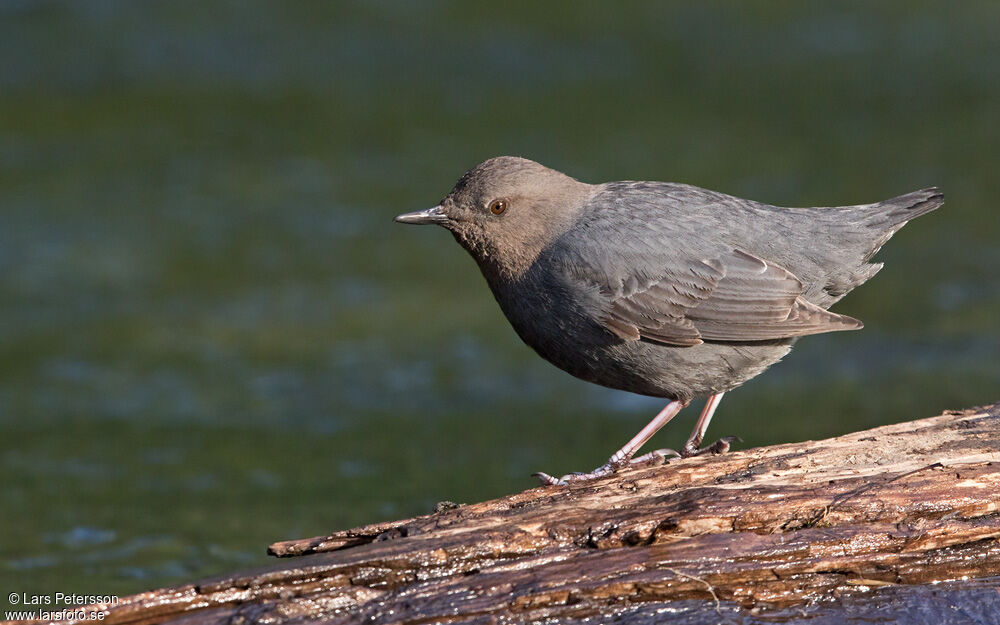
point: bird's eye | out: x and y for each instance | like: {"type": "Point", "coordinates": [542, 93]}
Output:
{"type": "Point", "coordinates": [498, 206]}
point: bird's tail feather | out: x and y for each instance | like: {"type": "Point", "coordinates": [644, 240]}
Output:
{"type": "Point", "coordinates": [893, 213]}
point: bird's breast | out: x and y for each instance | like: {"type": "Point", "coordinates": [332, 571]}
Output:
{"type": "Point", "coordinates": [559, 320]}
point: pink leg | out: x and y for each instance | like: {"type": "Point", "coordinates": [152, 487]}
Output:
{"type": "Point", "coordinates": [698, 433]}
{"type": "Point", "coordinates": [721, 446]}
{"type": "Point", "coordinates": [621, 457]}
{"type": "Point", "coordinates": [691, 447]}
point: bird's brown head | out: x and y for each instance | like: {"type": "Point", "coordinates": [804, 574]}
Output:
{"type": "Point", "coordinates": [504, 211]}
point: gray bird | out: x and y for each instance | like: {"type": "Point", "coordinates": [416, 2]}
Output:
{"type": "Point", "coordinates": [658, 288]}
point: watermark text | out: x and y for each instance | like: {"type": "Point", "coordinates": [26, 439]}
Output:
{"type": "Point", "coordinates": [58, 606]}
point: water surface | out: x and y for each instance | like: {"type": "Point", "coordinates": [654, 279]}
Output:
{"type": "Point", "coordinates": [213, 336]}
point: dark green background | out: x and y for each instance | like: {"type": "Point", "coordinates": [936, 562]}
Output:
{"type": "Point", "coordinates": [214, 337]}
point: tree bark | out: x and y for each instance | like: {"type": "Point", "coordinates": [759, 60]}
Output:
{"type": "Point", "coordinates": [895, 524]}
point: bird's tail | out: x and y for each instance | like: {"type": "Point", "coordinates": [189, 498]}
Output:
{"type": "Point", "coordinates": [892, 214]}
{"type": "Point", "coordinates": [864, 229]}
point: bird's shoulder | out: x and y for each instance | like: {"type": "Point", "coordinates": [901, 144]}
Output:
{"type": "Point", "coordinates": [633, 233]}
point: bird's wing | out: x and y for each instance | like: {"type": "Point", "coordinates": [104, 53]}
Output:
{"type": "Point", "coordinates": [734, 297]}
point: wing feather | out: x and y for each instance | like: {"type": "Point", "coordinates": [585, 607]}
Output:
{"type": "Point", "coordinates": [735, 297]}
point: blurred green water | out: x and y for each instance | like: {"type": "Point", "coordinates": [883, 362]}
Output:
{"type": "Point", "coordinates": [213, 337]}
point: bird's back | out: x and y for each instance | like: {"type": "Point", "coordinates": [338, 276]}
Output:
{"type": "Point", "coordinates": [642, 227]}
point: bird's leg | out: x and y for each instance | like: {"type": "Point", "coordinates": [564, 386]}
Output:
{"type": "Point", "coordinates": [621, 457]}
{"type": "Point", "coordinates": [721, 446]}
{"type": "Point", "coordinates": [690, 448]}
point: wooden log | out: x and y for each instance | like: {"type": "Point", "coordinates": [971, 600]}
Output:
{"type": "Point", "coordinates": [895, 524]}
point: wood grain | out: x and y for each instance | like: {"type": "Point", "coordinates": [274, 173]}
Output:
{"type": "Point", "coordinates": [889, 523]}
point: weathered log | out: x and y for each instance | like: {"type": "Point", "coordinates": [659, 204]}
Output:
{"type": "Point", "coordinates": [895, 524]}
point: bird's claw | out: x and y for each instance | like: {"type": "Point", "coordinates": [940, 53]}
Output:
{"type": "Point", "coordinates": [548, 480]}
{"type": "Point", "coordinates": [717, 448]}
{"type": "Point", "coordinates": [656, 457]}
{"type": "Point", "coordinates": [660, 456]}
{"type": "Point", "coordinates": [604, 470]}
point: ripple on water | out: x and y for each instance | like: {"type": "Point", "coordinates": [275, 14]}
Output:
{"type": "Point", "coordinates": [81, 536]}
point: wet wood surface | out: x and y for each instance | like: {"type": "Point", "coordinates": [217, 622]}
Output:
{"type": "Point", "coordinates": [900, 523]}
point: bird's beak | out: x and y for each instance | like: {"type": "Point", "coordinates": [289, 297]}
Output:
{"type": "Point", "coordinates": [429, 216]}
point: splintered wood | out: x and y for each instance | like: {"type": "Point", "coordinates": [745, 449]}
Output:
{"type": "Point", "coordinates": [896, 522]}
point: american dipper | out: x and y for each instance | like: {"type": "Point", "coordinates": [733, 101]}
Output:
{"type": "Point", "coordinates": [659, 288]}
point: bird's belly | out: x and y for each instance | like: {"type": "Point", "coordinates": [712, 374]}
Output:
{"type": "Point", "coordinates": [564, 330]}
{"type": "Point", "coordinates": [686, 372]}
{"type": "Point", "coordinates": [677, 372]}
{"type": "Point", "coordinates": [591, 353]}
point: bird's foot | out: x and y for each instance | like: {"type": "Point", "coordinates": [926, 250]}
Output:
{"type": "Point", "coordinates": [656, 457]}
{"type": "Point", "coordinates": [660, 456]}
{"type": "Point", "coordinates": [549, 480]}
{"type": "Point", "coordinates": [614, 463]}
{"type": "Point", "coordinates": [717, 448]}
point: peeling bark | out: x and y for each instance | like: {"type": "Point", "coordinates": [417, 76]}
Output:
{"type": "Point", "coordinates": [896, 524]}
